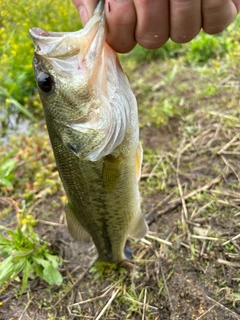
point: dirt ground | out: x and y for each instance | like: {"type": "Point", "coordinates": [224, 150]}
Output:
{"type": "Point", "coordinates": [188, 266]}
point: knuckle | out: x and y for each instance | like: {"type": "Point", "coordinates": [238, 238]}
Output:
{"type": "Point", "coordinates": [183, 38]}
{"type": "Point", "coordinates": [213, 29]}
{"type": "Point", "coordinates": [185, 35]}
{"type": "Point", "coordinates": [143, 3]}
{"type": "Point", "coordinates": [152, 42]}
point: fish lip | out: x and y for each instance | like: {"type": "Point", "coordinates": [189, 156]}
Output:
{"type": "Point", "coordinates": [39, 34]}
{"type": "Point", "coordinates": [42, 38]}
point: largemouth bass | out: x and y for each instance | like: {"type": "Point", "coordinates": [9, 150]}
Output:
{"type": "Point", "coordinates": [92, 120]}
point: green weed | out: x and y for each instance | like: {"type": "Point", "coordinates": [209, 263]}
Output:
{"type": "Point", "coordinates": [26, 255]}
{"type": "Point", "coordinates": [7, 167]}
{"type": "Point", "coordinates": [29, 168]}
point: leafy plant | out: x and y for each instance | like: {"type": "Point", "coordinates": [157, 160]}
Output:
{"type": "Point", "coordinates": [24, 253]}
{"type": "Point", "coordinates": [7, 99]}
{"type": "Point", "coordinates": [7, 167]}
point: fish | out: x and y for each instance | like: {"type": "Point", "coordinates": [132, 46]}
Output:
{"type": "Point", "coordinates": [91, 116]}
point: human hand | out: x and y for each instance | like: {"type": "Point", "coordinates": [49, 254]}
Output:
{"type": "Point", "coordinates": [151, 23]}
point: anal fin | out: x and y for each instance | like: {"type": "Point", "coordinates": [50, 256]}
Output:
{"type": "Point", "coordinates": [139, 228]}
{"type": "Point", "coordinates": [74, 226]}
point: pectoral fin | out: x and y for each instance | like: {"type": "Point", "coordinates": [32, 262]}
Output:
{"type": "Point", "coordinates": [139, 227]}
{"type": "Point", "coordinates": [74, 226]}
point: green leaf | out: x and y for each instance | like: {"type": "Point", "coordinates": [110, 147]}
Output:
{"type": "Point", "coordinates": [21, 253]}
{"type": "Point", "coordinates": [6, 270]}
{"type": "Point", "coordinates": [42, 262]}
{"type": "Point", "coordinates": [22, 109]}
{"type": "Point", "coordinates": [26, 273]}
{"type": "Point", "coordinates": [9, 231]}
{"type": "Point", "coordinates": [52, 275]}
{"type": "Point", "coordinates": [4, 241]}
{"type": "Point", "coordinates": [55, 260]}
{"type": "Point", "coordinates": [7, 167]}
{"type": "Point", "coordinates": [4, 182]}
{"type": "Point", "coordinates": [236, 296]}
{"type": "Point", "coordinates": [9, 269]}
{"type": "Point", "coordinates": [39, 270]}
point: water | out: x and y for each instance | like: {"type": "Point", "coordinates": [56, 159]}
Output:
{"type": "Point", "coordinates": [12, 126]}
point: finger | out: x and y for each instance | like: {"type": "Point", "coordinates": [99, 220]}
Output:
{"type": "Point", "coordinates": [237, 4]}
{"type": "Point", "coordinates": [185, 19]}
{"type": "Point", "coordinates": [218, 14]}
{"type": "Point", "coordinates": [121, 22]}
{"type": "Point", "coordinates": [152, 29]}
{"type": "Point", "coordinates": [85, 9]}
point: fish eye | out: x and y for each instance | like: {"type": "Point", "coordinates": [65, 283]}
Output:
{"type": "Point", "coordinates": [45, 82]}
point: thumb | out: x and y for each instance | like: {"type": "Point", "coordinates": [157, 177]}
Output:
{"type": "Point", "coordinates": [85, 9]}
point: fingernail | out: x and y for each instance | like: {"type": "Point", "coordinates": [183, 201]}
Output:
{"type": "Point", "coordinates": [83, 14]}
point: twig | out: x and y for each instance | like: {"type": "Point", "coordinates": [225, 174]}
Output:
{"type": "Point", "coordinates": [108, 304]}
{"type": "Point", "coordinates": [165, 284]}
{"type": "Point", "coordinates": [54, 224]}
{"type": "Point", "coordinates": [158, 240]}
{"type": "Point", "coordinates": [185, 213]}
{"type": "Point", "coordinates": [161, 203]}
{"type": "Point", "coordinates": [195, 140]}
{"type": "Point", "coordinates": [230, 166]}
{"type": "Point", "coordinates": [207, 311]}
{"type": "Point", "coordinates": [226, 146]}
{"type": "Point", "coordinates": [234, 238]}
{"type": "Point", "coordinates": [152, 173]}
{"type": "Point", "coordinates": [144, 304]}
{"type": "Point", "coordinates": [88, 300]}
{"type": "Point", "coordinates": [235, 315]}
{"type": "Point", "coordinates": [188, 247]}
{"type": "Point", "coordinates": [219, 126]}
{"type": "Point", "coordinates": [204, 237]}
{"type": "Point", "coordinates": [139, 303]}
{"type": "Point", "coordinates": [74, 285]}
{"type": "Point", "coordinates": [10, 201]}
{"type": "Point", "coordinates": [40, 197]}
{"type": "Point", "coordinates": [25, 309]}
{"type": "Point", "coordinates": [195, 214]}
{"type": "Point", "coordinates": [153, 216]}
{"type": "Point", "coordinates": [228, 263]}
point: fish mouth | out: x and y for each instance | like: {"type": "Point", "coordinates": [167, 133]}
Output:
{"type": "Point", "coordinates": [58, 45]}
{"type": "Point", "coordinates": [64, 45]}
{"type": "Point", "coordinates": [38, 33]}
{"type": "Point", "coordinates": [71, 53]}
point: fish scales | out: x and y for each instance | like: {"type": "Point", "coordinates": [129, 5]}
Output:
{"type": "Point", "coordinates": [93, 201]}
{"type": "Point", "coordinates": [92, 120]}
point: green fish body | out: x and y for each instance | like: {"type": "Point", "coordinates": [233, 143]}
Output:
{"type": "Point", "coordinates": [92, 120]}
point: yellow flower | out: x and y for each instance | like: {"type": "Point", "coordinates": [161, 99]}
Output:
{"type": "Point", "coordinates": [24, 221]}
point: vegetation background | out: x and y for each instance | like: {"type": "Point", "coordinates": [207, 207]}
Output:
{"type": "Point", "coordinates": [188, 97]}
